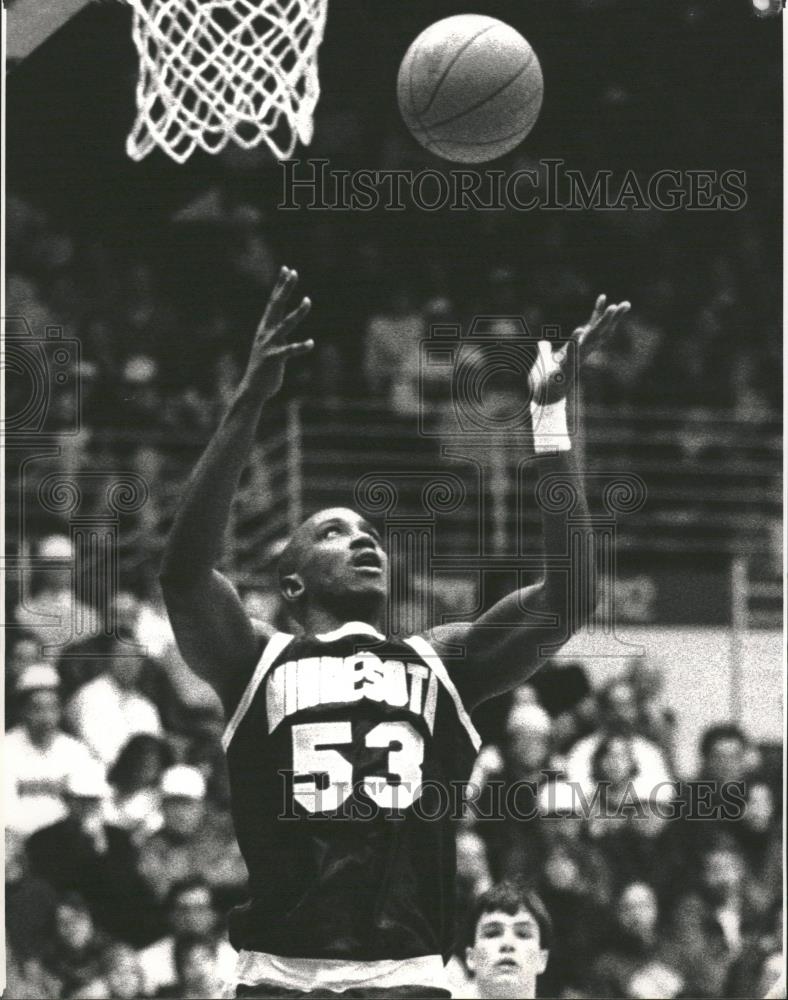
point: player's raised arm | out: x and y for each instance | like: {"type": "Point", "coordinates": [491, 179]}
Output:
{"type": "Point", "coordinates": [214, 634]}
{"type": "Point", "coordinates": [503, 647]}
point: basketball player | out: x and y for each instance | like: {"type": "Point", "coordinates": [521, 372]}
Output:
{"type": "Point", "coordinates": [510, 941]}
{"type": "Point", "coordinates": [341, 742]}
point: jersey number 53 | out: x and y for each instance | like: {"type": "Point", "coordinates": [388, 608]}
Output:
{"type": "Point", "coordinates": [323, 778]}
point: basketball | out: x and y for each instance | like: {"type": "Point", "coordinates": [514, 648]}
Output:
{"type": "Point", "coordinates": [470, 88]}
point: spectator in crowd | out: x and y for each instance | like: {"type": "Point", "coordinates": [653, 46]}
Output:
{"type": "Point", "coordinates": [724, 767]}
{"type": "Point", "coordinates": [633, 955]}
{"type": "Point", "coordinates": [39, 758]}
{"type": "Point", "coordinates": [84, 659]}
{"type": "Point", "coordinates": [724, 754]}
{"type": "Point", "coordinates": [135, 778]}
{"type": "Point", "coordinates": [473, 869]}
{"type": "Point", "coordinates": [71, 959]}
{"type": "Point", "coordinates": [618, 822]}
{"type": "Point", "coordinates": [51, 609]}
{"type": "Point", "coordinates": [564, 690]}
{"type": "Point", "coordinates": [574, 882]}
{"type": "Point", "coordinates": [510, 942]}
{"type": "Point", "coordinates": [656, 720]}
{"type": "Point", "coordinates": [82, 853]}
{"type": "Point", "coordinates": [761, 960]}
{"type": "Point", "coordinates": [109, 710]}
{"type": "Point", "coordinates": [193, 839]}
{"type": "Point", "coordinates": [196, 969]}
{"type": "Point", "coordinates": [190, 913]}
{"type": "Point", "coordinates": [519, 767]}
{"type": "Point", "coordinates": [29, 902]}
{"type": "Point", "coordinates": [619, 717]}
{"type": "Point", "coordinates": [22, 652]}
{"type": "Point", "coordinates": [614, 769]}
{"type": "Point", "coordinates": [711, 919]}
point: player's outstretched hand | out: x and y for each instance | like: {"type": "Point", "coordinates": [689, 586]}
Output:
{"type": "Point", "coordinates": [554, 371]}
{"type": "Point", "coordinates": [271, 348]}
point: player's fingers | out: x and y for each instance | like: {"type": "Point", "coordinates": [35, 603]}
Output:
{"type": "Point", "coordinates": [288, 324]}
{"type": "Point", "coordinates": [613, 320]}
{"type": "Point", "coordinates": [288, 350]}
{"type": "Point", "coordinates": [270, 315]}
{"type": "Point", "coordinates": [606, 328]}
{"type": "Point", "coordinates": [282, 294]}
{"type": "Point", "coordinates": [598, 309]}
{"type": "Point", "coordinates": [592, 336]}
{"type": "Point", "coordinates": [580, 334]}
{"type": "Point", "coordinates": [604, 323]}
{"type": "Point", "coordinates": [279, 296]}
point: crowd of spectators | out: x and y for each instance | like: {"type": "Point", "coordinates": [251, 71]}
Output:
{"type": "Point", "coordinates": [121, 862]}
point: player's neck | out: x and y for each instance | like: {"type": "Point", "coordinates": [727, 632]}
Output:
{"type": "Point", "coordinates": [319, 620]}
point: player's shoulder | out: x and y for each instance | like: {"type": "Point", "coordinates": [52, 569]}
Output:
{"type": "Point", "coordinates": [444, 636]}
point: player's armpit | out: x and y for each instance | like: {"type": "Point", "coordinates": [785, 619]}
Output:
{"type": "Point", "coordinates": [503, 647]}
{"type": "Point", "coordinates": [215, 635]}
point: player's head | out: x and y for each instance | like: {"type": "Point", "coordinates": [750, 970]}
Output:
{"type": "Point", "coordinates": [334, 561]}
{"type": "Point", "coordinates": [510, 937]}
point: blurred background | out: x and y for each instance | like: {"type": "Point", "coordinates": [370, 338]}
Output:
{"type": "Point", "coordinates": [141, 285]}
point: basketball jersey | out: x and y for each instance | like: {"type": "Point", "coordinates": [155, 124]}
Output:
{"type": "Point", "coordinates": [341, 753]}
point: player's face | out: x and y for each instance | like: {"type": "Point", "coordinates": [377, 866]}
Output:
{"type": "Point", "coordinates": [343, 556]}
{"type": "Point", "coordinates": [506, 956]}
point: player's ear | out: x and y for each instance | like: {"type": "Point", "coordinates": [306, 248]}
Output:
{"type": "Point", "coordinates": [544, 955]}
{"type": "Point", "coordinates": [470, 960]}
{"type": "Point", "coordinates": [292, 587]}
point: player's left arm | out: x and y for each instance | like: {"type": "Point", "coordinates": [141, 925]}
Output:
{"type": "Point", "coordinates": [506, 644]}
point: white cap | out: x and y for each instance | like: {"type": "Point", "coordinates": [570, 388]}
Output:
{"type": "Point", "coordinates": [182, 782]}
{"type": "Point", "coordinates": [38, 676]}
{"type": "Point", "coordinates": [56, 547]}
{"type": "Point", "coordinates": [528, 716]}
{"type": "Point", "coordinates": [89, 782]}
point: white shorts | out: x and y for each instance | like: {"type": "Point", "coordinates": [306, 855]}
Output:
{"type": "Point", "coordinates": [257, 968]}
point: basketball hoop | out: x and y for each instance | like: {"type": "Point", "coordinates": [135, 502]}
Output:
{"type": "Point", "coordinates": [216, 70]}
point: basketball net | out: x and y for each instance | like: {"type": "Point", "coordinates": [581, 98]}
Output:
{"type": "Point", "coordinates": [215, 70]}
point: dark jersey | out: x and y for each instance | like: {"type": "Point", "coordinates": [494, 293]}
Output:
{"type": "Point", "coordinates": [341, 753]}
